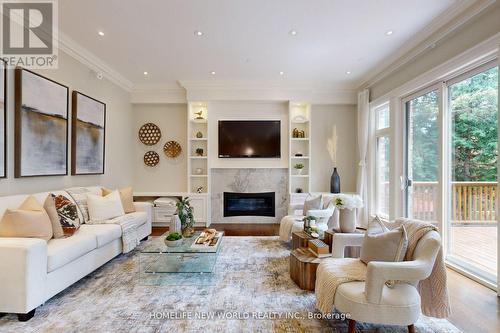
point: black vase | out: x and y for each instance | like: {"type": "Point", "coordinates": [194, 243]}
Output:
{"type": "Point", "coordinates": [335, 182]}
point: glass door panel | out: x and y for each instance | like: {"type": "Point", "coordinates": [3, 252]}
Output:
{"type": "Point", "coordinates": [422, 169]}
{"type": "Point", "coordinates": [472, 229]}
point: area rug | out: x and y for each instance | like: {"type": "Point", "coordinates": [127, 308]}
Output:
{"type": "Point", "coordinates": [253, 292]}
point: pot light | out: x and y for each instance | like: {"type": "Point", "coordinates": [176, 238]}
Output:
{"type": "Point", "coordinates": [100, 33]}
{"type": "Point", "coordinates": [348, 72]}
{"type": "Point", "coordinates": [293, 32]}
{"type": "Point", "coordinates": [146, 73]}
{"type": "Point", "coordinates": [212, 72]}
{"type": "Point", "coordinates": [282, 73]}
{"type": "Point", "coordinates": [389, 32]}
{"type": "Point", "coordinates": [198, 33]}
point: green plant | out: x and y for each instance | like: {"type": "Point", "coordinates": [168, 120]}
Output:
{"type": "Point", "coordinates": [185, 212]}
{"type": "Point", "coordinates": [174, 236]}
{"type": "Point", "coordinates": [299, 166]}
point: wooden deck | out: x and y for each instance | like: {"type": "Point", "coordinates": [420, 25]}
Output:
{"type": "Point", "coordinates": [476, 245]}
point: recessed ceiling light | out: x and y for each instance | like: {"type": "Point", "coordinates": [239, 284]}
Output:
{"type": "Point", "coordinates": [145, 73]}
{"type": "Point", "coordinates": [348, 72]}
{"type": "Point", "coordinates": [198, 33]}
{"type": "Point", "coordinates": [389, 32]}
{"type": "Point", "coordinates": [293, 32]}
{"type": "Point", "coordinates": [282, 73]}
{"type": "Point", "coordinates": [101, 33]}
{"type": "Point", "coordinates": [212, 73]}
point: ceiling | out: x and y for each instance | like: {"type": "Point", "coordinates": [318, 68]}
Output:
{"type": "Point", "coordinates": [245, 40]}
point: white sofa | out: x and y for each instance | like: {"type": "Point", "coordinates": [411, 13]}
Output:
{"type": "Point", "coordinates": [33, 270]}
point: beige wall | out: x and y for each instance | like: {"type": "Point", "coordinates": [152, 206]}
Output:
{"type": "Point", "coordinates": [170, 174]}
{"type": "Point", "coordinates": [480, 28]}
{"type": "Point", "coordinates": [119, 169]}
{"type": "Point", "coordinates": [324, 117]}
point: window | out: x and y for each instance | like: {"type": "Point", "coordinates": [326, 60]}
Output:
{"type": "Point", "coordinates": [382, 161]}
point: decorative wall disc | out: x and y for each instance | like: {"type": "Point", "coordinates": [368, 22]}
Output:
{"type": "Point", "coordinates": [149, 134]}
{"type": "Point", "coordinates": [151, 158]}
{"type": "Point", "coordinates": [172, 149]}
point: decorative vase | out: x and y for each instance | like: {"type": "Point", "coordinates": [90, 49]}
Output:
{"type": "Point", "coordinates": [347, 220]}
{"type": "Point", "coordinates": [175, 224]}
{"type": "Point", "coordinates": [299, 171]}
{"type": "Point", "coordinates": [199, 135]}
{"type": "Point", "coordinates": [187, 232]}
{"type": "Point", "coordinates": [335, 181]}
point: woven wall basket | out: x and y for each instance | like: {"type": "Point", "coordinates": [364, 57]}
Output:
{"type": "Point", "coordinates": [149, 134]}
{"type": "Point", "coordinates": [172, 149]}
{"type": "Point", "coordinates": [151, 158]}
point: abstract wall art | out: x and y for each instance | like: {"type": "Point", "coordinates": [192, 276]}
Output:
{"type": "Point", "coordinates": [41, 126]}
{"type": "Point", "coordinates": [88, 135]}
{"type": "Point", "coordinates": [3, 120]}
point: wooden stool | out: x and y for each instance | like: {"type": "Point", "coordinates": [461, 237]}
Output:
{"type": "Point", "coordinates": [300, 239]}
{"type": "Point", "coordinates": [303, 265]}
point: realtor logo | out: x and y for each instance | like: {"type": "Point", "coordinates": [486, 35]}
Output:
{"type": "Point", "coordinates": [29, 33]}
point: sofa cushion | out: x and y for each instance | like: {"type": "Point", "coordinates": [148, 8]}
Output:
{"type": "Point", "coordinates": [105, 233]}
{"type": "Point", "coordinates": [127, 197]}
{"type": "Point", "coordinates": [68, 214]}
{"type": "Point", "coordinates": [104, 208]}
{"type": "Point", "coordinates": [139, 217]}
{"type": "Point", "coordinates": [50, 207]}
{"type": "Point", "coordinates": [65, 250]}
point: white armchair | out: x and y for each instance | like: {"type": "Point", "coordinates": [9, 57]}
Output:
{"type": "Point", "coordinates": [373, 301]}
{"type": "Point", "coordinates": [293, 221]}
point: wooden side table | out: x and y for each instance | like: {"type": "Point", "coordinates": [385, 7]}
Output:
{"type": "Point", "coordinates": [303, 265]}
{"type": "Point", "coordinates": [300, 239]}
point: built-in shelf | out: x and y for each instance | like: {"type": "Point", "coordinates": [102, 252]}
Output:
{"type": "Point", "coordinates": [299, 139]}
{"type": "Point", "coordinates": [198, 157]}
{"type": "Point", "coordinates": [300, 122]}
{"type": "Point", "coordinates": [199, 121]}
{"type": "Point", "coordinates": [299, 115]}
{"type": "Point", "coordinates": [300, 176]}
{"type": "Point", "coordinates": [300, 157]}
{"type": "Point", "coordinates": [198, 139]}
{"type": "Point", "coordinates": [198, 176]}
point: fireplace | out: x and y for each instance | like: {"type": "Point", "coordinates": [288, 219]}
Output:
{"type": "Point", "coordinates": [249, 204]}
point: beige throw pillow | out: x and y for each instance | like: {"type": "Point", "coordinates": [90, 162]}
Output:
{"type": "Point", "coordinates": [312, 203]}
{"type": "Point", "coordinates": [30, 220]}
{"type": "Point", "coordinates": [376, 226]}
{"type": "Point", "coordinates": [127, 197]}
{"type": "Point", "coordinates": [388, 246]}
{"type": "Point", "coordinates": [104, 208]}
{"type": "Point", "coordinates": [50, 207]}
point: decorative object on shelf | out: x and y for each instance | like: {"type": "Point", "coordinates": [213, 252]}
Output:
{"type": "Point", "coordinates": [302, 134]}
{"type": "Point", "coordinates": [88, 135]}
{"type": "Point", "coordinates": [347, 205]}
{"type": "Point", "coordinates": [299, 119]}
{"type": "Point", "coordinates": [199, 135]}
{"type": "Point", "coordinates": [298, 190]}
{"type": "Point", "coordinates": [295, 133]}
{"type": "Point", "coordinates": [299, 167]}
{"type": "Point", "coordinates": [149, 134]}
{"type": "Point", "coordinates": [185, 212]}
{"type": "Point", "coordinates": [199, 151]}
{"type": "Point", "coordinates": [298, 155]}
{"type": "Point", "coordinates": [174, 239]}
{"type": "Point", "coordinates": [199, 115]}
{"type": "Point", "coordinates": [172, 149]}
{"type": "Point", "coordinates": [309, 224]}
{"type": "Point", "coordinates": [199, 189]}
{"type": "Point", "coordinates": [151, 158]}
{"type": "Point", "coordinates": [198, 171]}
{"type": "Point", "coordinates": [3, 120]}
{"type": "Point", "coordinates": [41, 131]}
{"type": "Point", "coordinates": [175, 224]}
{"type": "Point", "coordinates": [335, 182]}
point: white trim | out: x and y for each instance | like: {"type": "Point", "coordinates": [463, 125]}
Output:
{"type": "Point", "coordinates": [468, 274]}
{"type": "Point", "coordinates": [427, 38]}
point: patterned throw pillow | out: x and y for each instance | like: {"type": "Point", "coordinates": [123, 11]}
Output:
{"type": "Point", "coordinates": [68, 214]}
{"type": "Point", "coordinates": [79, 195]}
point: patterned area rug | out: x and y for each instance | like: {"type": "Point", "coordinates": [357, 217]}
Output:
{"type": "Point", "coordinates": [252, 293]}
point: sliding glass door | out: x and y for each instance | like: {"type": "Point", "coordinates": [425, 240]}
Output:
{"type": "Point", "coordinates": [472, 138]}
{"type": "Point", "coordinates": [422, 160]}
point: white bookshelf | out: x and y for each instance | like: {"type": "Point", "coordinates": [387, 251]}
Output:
{"type": "Point", "coordinates": [197, 179]}
{"type": "Point", "coordinates": [300, 119]}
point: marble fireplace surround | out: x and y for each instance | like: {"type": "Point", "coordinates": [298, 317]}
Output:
{"type": "Point", "coordinates": [248, 180]}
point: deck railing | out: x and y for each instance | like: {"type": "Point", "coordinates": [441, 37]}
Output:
{"type": "Point", "coordinates": [472, 202]}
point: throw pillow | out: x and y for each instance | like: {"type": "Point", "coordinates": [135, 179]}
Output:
{"type": "Point", "coordinates": [312, 204]}
{"type": "Point", "coordinates": [30, 220]}
{"type": "Point", "coordinates": [387, 246]}
{"type": "Point", "coordinates": [79, 195]}
{"type": "Point", "coordinates": [105, 208]}
{"type": "Point", "coordinates": [376, 226]}
{"type": "Point", "coordinates": [68, 214]}
{"type": "Point", "coordinates": [127, 197]}
{"type": "Point", "coordinates": [50, 207]}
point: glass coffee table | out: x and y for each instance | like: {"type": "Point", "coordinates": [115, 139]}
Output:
{"type": "Point", "coordinates": [161, 264]}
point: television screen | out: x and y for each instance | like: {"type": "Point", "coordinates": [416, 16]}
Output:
{"type": "Point", "coordinates": [249, 138]}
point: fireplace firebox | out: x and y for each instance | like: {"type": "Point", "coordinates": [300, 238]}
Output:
{"type": "Point", "coordinates": [249, 204]}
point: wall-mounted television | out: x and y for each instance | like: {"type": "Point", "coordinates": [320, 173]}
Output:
{"type": "Point", "coordinates": [249, 139]}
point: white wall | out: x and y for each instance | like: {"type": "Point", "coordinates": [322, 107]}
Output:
{"type": "Point", "coordinates": [247, 111]}
{"type": "Point", "coordinates": [170, 174]}
{"type": "Point", "coordinates": [324, 117]}
{"type": "Point", "coordinates": [119, 169]}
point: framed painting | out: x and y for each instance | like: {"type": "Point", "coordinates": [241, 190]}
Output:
{"type": "Point", "coordinates": [88, 137]}
{"type": "Point", "coordinates": [3, 119]}
{"type": "Point", "coordinates": [41, 126]}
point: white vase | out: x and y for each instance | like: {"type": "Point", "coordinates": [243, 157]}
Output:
{"type": "Point", "coordinates": [299, 171]}
{"type": "Point", "coordinates": [175, 224]}
{"type": "Point", "coordinates": [347, 220]}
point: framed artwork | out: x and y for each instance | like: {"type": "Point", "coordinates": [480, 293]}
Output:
{"type": "Point", "coordinates": [3, 119]}
{"type": "Point", "coordinates": [88, 135]}
{"type": "Point", "coordinates": [41, 126]}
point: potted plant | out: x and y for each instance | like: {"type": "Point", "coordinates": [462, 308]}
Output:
{"type": "Point", "coordinates": [310, 226]}
{"type": "Point", "coordinates": [299, 167]}
{"type": "Point", "coordinates": [185, 212]}
{"type": "Point", "coordinates": [173, 239]}
{"type": "Point", "coordinates": [347, 205]}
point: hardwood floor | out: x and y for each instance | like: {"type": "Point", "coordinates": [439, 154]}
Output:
{"type": "Point", "coordinates": [475, 308]}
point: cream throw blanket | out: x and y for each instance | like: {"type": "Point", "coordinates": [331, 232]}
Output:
{"type": "Point", "coordinates": [433, 291]}
{"type": "Point", "coordinates": [130, 238]}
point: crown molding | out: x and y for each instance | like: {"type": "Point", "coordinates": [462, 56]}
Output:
{"type": "Point", "coordinates": [78, 52]}
{"type": "Point", "coordinates": [427, 38]}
